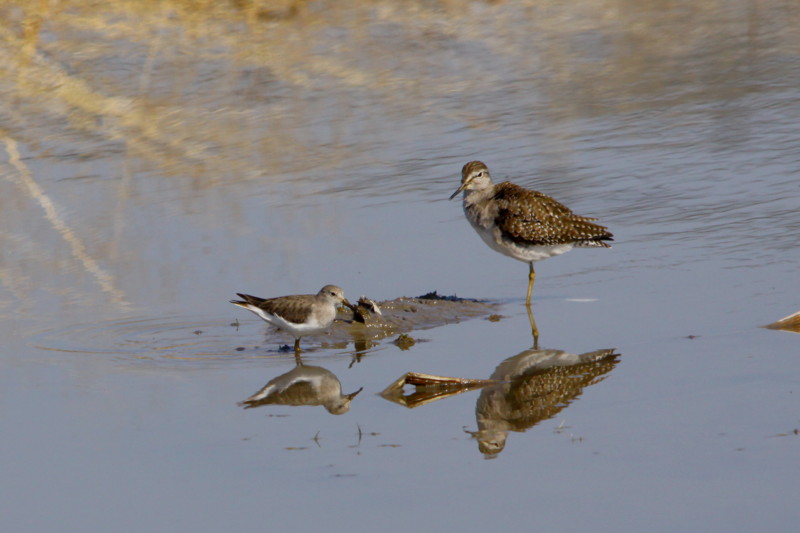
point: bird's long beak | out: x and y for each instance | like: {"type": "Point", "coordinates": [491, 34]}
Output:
{"type": "Point", "coordinates": [353, 394]}
{"type": "Point", "coordinates": [461, 188]}
{"type": "Point", "coordinates": [349, 305]}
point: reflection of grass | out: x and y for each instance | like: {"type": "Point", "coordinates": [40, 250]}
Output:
{"type": "Point", "coordinates": [23, 176]}
{"type": "Point", "coordinates": [215, 89]}
{"type": "Point", "coordinates": [224, 90]}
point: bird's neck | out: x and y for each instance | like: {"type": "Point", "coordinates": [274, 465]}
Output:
{"type": "Point", "coordinates": [479, 208]}
{"type": "Point", "coordinates": [477, 196]}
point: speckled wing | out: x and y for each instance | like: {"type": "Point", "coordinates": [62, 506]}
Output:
{"type": "Point", "coordinates": [295, 308]}
{"type": "Point", "coordinates": [530, 217]}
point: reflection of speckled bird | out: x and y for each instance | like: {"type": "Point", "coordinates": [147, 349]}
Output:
{"type": "Point", "coordinates": [524, 224]}
{"type": "Point", "coordinates": [299, 314]}
{"type": "Point", "coordinates": [304, 385]}
{"type": "Point", "coordinates": [535, 385]}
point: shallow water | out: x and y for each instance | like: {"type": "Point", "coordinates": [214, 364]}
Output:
{"type": "Point", "coordinates": [153, 162]}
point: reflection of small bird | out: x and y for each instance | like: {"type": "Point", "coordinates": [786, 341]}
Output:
{"type": "Point", "coordinates": [521, 223]}
{"type": "Point", "coordinates": [299, 314]}
{"type": "Point", "coordinates": [304, 385]}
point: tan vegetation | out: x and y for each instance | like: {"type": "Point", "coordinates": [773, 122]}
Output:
{"type": "Point", "coordinates": [218, 88]}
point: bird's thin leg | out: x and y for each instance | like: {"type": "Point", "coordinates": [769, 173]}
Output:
{"type": "Point", "coordinates": [534, 329]}
{"type": "Point", "coordinates": [297, 347]}
{"type": "Point", "coordinates": [531, 277]}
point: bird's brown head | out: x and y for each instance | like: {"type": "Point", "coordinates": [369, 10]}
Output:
{"type": "Point", "coordinates": [343, 405]}
{"type": "Point", "coordinates": [474, 175]}
{"type": "Point", "coordinates": [331, 292]}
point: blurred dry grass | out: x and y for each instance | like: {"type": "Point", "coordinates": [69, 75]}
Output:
{"type": "Point", "coordinates": [223, 89]}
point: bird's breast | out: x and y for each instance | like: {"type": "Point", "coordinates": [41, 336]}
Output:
{"type": "Point", "coordinates": [480, 214]}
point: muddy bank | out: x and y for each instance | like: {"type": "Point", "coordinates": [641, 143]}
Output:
{"type": "Point", "coordinates": [405, 315]}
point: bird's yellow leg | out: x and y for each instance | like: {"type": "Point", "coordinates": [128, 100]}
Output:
{"type": "Point", "coordinates": [531, 277]}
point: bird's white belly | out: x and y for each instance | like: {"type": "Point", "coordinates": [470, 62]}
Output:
{"type": "Point", "coordinates": [296, 330]}
{"type": "Point", "coordinates": [521, 252]}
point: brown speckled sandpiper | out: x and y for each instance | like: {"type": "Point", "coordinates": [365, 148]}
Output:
{"type": "Point", "coordinates": [521, 223]}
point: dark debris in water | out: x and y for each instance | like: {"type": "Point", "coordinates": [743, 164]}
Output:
{"type": "Point", "coordinates": [404, 342]}
{"type": "Point", "coordinates": [429, 388]}
{"type": "Point", "coordinates": [793, 433]}
{"type": "Point", "coordinates": [787, 323]}
{"type": "Point", "coordinates": [434, 295]}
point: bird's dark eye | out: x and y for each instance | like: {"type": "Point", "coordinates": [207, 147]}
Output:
{"type": "Point", "coordinates": [479, 174]}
